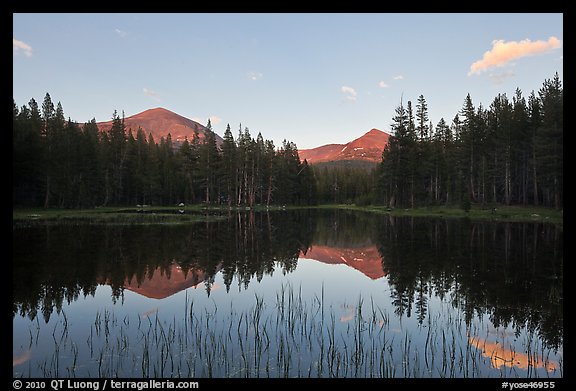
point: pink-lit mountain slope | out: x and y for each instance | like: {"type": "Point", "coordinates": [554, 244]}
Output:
{"type": "Point", "coordinates": [161, 122]}
{"type": "Point", "coordinates": [368, 148]}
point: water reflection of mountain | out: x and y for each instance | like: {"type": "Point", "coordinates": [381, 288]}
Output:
{"type": "Point", "coordinates": [159, 284]}
{"type": "Point", "coordinates": [510, 272]}
{"type": "Point", "coordinates": [366, 260]}
{"type": "Point", "coordinates": [342, 237]}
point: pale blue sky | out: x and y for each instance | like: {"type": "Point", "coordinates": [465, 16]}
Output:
{"type": "Point", "coordinates": [310, 78]}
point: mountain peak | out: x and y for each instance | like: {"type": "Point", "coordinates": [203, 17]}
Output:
{"type": "Point", "coordinates": [161, 112]}
{"type": "Point", "coordinates": [374, 131]}
{"type": "Point", "coordinates": [367, 147]}
{"type": "Point", "coordinates": [160, 122]}
{"type": "Point", "coordinates": [158, 110]}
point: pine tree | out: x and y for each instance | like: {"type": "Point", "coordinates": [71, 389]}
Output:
{"type": "Point", "coordinates": [71, 159]}
{"type": "Point", "coordinates": [467, 144]}
{"type": "Point", "coordinates": [245, 165]}
{"type": "Point", "coordinates": [446, 165]}
{"type": "Point", "coordinates": [286, 172]}
{"type": "Point", "coordinates": [153, 172]}
{"type": "Point", "coordinates": [258, 177]}
{"type": "Point", "coordinates": [168, 169]}
{"type": "Point", "coordinates": [90, 166]}
{"type": "Point", "coordinates": [131, 182]}
{"type": "Point", "coordinates": [521, 147]}
{"type": "Point", "coordinates": [422, 118]}
{"type": "Point", "coordinates": [268, 167]}
{"type": "Point", "coordinates": [49, 133]}
{"type": "Point", "coordinates": [534, 123]}
{"type": "Point", "coordinates": [188, 162]}
{"type": "Point", "coordinates": [210, 165]}
{"type": "Point", "coordinates": [398, 164]}
{"type": "Point", "coordinates": [229, 168]}
{"type": "Point", "coordinates": [117, 154]}
{"type": "Point", "coordinates": [307, 191]}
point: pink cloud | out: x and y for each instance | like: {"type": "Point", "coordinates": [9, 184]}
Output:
{"type": "Point", "coordinates": [503, 52]}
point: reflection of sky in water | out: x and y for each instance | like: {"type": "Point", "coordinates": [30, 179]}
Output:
{"type": "Point", "coordinates": [504, 354]}
{"type": "Point", "coordinates": [344, 288]}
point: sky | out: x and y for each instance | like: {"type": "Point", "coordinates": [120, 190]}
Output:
{"type": "Point", "coordinates": [311, 79]}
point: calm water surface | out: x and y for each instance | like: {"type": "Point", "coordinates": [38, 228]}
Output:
{"type": "Point", "coordinates": [289, 294]}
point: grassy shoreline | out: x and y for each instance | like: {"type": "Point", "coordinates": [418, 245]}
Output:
{"type": "Point", "coordinates": [500, 213]}
{"type": "Point", "coordinates": [114, 215]}
{"type": "Point", "coordinates": [198, 213]}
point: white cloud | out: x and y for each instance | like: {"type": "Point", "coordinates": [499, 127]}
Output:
{"type": "Point", "coordinates": [382, 84]}
{"type": "Point", "coordinates": [399, 77]}
{"type": "Point", "coordinates": [255, 75]}
{"type": "Point", "coordinates": [19, 46]}
{"type": "Point", "coordinates": [350, 92]}
{"type": "Point", "coordinates": [152, 94]}
{"type": "Point", "coordinates": [121, 33]}
{"type": "Point", "coordinates": [503, 52]}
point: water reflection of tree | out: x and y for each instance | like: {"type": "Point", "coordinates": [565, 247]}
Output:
{"type": "Point", "coordinates": [55, 264]}
{"type": "Point", "coordinates": [344, 229]}
{"type": "Point", "coordinates": [510, 272]}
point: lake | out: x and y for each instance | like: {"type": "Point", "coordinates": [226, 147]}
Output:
{"type": "Point", "coordinates": [305, 293]}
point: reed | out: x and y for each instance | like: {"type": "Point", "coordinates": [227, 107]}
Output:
{"type": "Point", "coordinates": [283, 336]}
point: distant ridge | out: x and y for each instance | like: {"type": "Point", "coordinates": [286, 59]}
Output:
{"type": "Point", "coordinates": [367, 148]}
